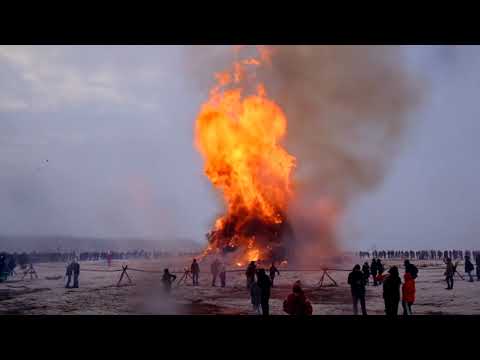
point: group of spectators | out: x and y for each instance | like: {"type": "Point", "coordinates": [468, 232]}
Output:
{"type": "Point", "coordinates": [419, 254]}
{"type": "Point", "coordinates": [393, 289]}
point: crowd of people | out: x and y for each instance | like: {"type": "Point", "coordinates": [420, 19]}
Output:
{"type": "Point", "coordinates": [259, 281]}
{"type": "Point", "coordinates": [419, 254]}
{"type": "Point", "coordinates": [258, 284]}
{"type": "Point", "coordinates": [394, 290]}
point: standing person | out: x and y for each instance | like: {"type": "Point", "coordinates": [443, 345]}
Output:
{"type": "Point", "coordinates": [380, 269]}
{"type": "Point", "coordinates": [195, 270]}
{"type": "Point", "coordinates": [167, 280]}
{"type": "Point", "coordinates": [223, 274]}
{"type": "Point", "coordinates": [391, 292]}
{"type": "Point", "coordinates": [411, 269]}
{"type": "Point", "coordinates": [374, 270]}
{"type": "Point", "coordinates": [477, 263]}
{"type": "Point", "coordinates": [469, 267]}
{"type": "Point", "coordinates": [255, 296]}
{"type": "Point", "coordinates": [250, 273]}
{"type": "Point", "coordinates": [297, 303]}
{"type": "Point", "coordinates": [273, 271]}
{"type": "Point", "coordinates": [214, 268]}
{"type": "Point", "coordinates": [265, 284]}
{"type": "Point", "coordinates": [68, 274]}
{"type": "Point", "coordinates": [366, 272]}
{"type": "Point", "coordinates": [356, 280]}
{"type": "Point", "coordinates": [408, 293]}
{"type": "Point", "coordinates": [76, 272]}
{"type": "Point", "coordinates": [449, 272]}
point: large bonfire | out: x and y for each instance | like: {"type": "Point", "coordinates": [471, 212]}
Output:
{"type": "Point", "coordinates": [239, 131]}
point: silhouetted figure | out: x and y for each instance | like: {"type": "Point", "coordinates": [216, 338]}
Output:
{"type": "Point", "coordinates": [469, 268]}
{"type": "Point", "coordinates": [250, 273]}
{"type": "Point", "coordinates": [223, 275]}
{"type": "Point", "coordinates": [68, 274]}
{"type": "Point", "coordinates": [195, 270]}
{"type": "Point", "coordinates": [167, 280]}
{"type": "Point", "coordinates": [255, 296]}
{"type": "Point", "coordinates": [3, 272]}
{"type": "Point", "coordinates": [366, 272]}
{"type": "Point", "coordinates": [408, 293]}
{"type": "Point", "coordinates": [380, 269]}
{"type": "Point", "coordinates": [273, 272]}
{"type": "Point", "coordinates": [297, 303]}
{"type": "Point", "coordinates": [356, 280]}
{"type": "Point", "coordinates": [263, 281]}
{"type": "Point", "coordinates": [76, 273]}
{"type": "Point", "coordinates": [449, 272]}
{"type": "Point", "coordinates": [477, 266]}
{"type": "Point", "coordinates": [391, 292]}
{"type": "Point", "coordinates": [374, 271]}
{"type": "Point", "coordinates": [214, 269]}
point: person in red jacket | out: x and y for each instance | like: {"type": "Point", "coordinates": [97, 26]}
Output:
{"type": "Point", "coordinates": [408, 294]}
{"type": "Point", "coordinates": [297, 303]}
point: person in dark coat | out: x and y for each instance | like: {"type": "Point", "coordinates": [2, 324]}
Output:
{"type": "Point", "coordinates": [391, 292]}
{"type": "Point", "coordinates": [477, 265]}
{"type": "Point", "coordinates": [167, 280]}
{"type": "Point", "coordinates": [449, 272]}
{"type": "Point", "coordinates": [76, 272]}
{"type": "Point", "coordinates": [374, 271]}
{"type": "Point", "coordinates": [250, 273]}
{"type": "Point", "coordinates": [273, 272]}
{"type": "Point", "coordinates": [255, 296]}
{"type": "Point", "coordinates": [297, 303]}
{"type": "Point", "coordinates": [366, 272]}
{"type": "Point", "coordinates": [356, 280]}
{"type": "Point", "coordinates": [469, 268]}
{"type": "Point", "coordinates": [68, 274]}
{"type": "Point", "coordinates": [264, 283]}
{"type": "Point", "coordinates": [195, 270]}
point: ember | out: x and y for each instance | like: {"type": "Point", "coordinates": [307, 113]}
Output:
{"type": "Point", "coordinates": [239, 133]}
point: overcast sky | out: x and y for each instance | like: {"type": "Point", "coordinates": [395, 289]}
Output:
{"type": "Point", "coordinates": [116, 126]}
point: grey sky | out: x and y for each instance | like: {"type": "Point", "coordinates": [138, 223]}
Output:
{"type": "Point", "coordinates": [116, 125]}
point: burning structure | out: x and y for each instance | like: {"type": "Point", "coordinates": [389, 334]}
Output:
{"type": "Point", "coordinates": [239, 132]}
{"type": "Point", "coordinates": [347, 109]}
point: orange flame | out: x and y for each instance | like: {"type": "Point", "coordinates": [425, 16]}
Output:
{"type": "Point", "coordinates": [239, 137]}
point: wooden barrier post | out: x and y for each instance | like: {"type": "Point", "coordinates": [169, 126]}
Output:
{"type": "Point", "coordinates": [325, 272]}
{"type": "Point", "coordinates": [124, 272]}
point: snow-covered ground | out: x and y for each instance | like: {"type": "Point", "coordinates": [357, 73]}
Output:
{"type": "Point", "coordinates": [98, 293]}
